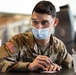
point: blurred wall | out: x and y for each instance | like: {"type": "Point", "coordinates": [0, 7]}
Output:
{"type": "Point", "coordinates": [65, 28]}
{"type": "Point", "coordinates": [11, 24]}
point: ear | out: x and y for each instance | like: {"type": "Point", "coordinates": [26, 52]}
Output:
{"type": "Point", "coordinates": [56, 20]}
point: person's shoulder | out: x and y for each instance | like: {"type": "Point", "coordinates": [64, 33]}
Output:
{"type": "Point", "coordinates": [21, 37]}
{"type": "Point", "coordinates": [58, 44]}
{"type": "Point", "coordinates": [25, 34]}
{"type": "Point", "coordinates": [56, 40]}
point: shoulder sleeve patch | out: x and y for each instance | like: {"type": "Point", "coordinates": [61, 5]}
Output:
{"type": "Point", "coordinates": [11, 47]}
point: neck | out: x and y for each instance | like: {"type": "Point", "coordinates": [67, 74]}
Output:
{"type": "Point", "coordinates": [42, 42]}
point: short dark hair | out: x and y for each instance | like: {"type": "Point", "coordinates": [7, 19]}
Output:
{"type": "Point", "coordinates": [45, 7]}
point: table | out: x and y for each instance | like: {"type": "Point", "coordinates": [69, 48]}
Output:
{"type": "Point", "coordinates": [62, 72]}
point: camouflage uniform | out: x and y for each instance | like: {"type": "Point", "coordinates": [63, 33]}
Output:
{"type": "Point", "coordinates": [21, 50]}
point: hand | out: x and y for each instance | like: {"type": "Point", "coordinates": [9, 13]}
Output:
{"type": "Point", "coordinates": [40, 62]}
{"type": "Point", "coordinates": [53, 67]}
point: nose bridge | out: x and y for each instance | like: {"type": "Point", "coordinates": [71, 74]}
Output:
{"type": "Point", "coordinates": [39, 26]}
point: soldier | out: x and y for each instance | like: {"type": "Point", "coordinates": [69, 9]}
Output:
{"type": "Point", "coordinates": [36, 50]}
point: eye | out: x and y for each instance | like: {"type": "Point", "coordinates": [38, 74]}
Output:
{"type": "Point", "coordinates": [45, 22]}
{"type": "Point", "coordinates": [35, 22]}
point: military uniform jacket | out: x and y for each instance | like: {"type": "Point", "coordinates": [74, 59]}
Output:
{"type": "Point", "coordinates": [22, 49]}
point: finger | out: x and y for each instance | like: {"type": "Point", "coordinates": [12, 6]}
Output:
{"type": "Point", "coordinates": [43, 63]}
{"type": "Point", "coordinates": [47, 69]}
{"type": "Point", "coordinates": [40, 66]}
{"type": "Point", "coordinates": [44, 59]}
{"type": "Point", "coordinates": [41, 56]}
{"type": "Point", "coordinates": [54, 68]}
{"type": "Point", "coordinates": [51, 67]}
{"type": "Point", "coordinates": [58, 68]}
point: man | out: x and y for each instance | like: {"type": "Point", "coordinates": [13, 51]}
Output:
{"type": "Point", "coordinates": [39, 49]}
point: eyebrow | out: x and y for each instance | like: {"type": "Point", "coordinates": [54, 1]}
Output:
{"type": "Point", "coordinates": [33, 19]}
{"type": "Point", "coordinates": [39, 20]}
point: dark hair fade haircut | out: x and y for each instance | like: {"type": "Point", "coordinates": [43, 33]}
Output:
{"type": "Point", "coordinates": [45, 7]}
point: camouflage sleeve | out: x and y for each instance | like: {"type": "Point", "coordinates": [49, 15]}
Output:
{"type": "Point", "coordinates": [9, 53]}
{"type": "Point", "coordinates": [63, 57]}
{"type": "Point", "coordinates": [3, 52]}
{"type": "Point", "coordinates": [7, 49]}
{"type": "Point", "coordinates": [13, 63]}
{"type": "Point", "coordinates": [67, 62]}
{"type": "Point", "coordinates": [10, 47]}
{"type": "Point", "coordinates": [66, 57]}
{"type": "Point", "coordinates": [9, 66]}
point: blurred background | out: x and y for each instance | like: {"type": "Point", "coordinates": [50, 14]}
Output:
{"type": "Point", "coordinates": [15, 15]}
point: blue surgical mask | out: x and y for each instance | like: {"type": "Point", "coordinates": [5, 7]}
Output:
{"type": "Point", "coordinates": [41, 34]}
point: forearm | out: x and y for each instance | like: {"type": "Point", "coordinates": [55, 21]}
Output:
{"type": "Point", "coordinates": [67, 61]}
{"type": "Point", "coordinates": [14, 66]}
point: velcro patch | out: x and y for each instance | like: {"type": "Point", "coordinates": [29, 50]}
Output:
{"type": "Point", "coordinates": [11, 46]}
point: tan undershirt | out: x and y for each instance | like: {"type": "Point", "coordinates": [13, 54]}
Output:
{"type": "Point", "coordinates": [43, 48]}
